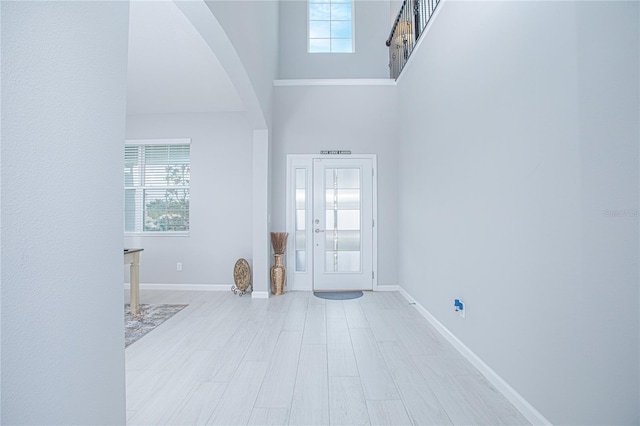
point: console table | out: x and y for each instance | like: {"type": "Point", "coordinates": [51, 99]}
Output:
{"type": "Point", "coordinates": [132, 257]}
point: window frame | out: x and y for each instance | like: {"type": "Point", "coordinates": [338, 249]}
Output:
{"type": "Point", "coordinates": [353, 27]}
{"type": "Point", "coordinates": [156, 142]}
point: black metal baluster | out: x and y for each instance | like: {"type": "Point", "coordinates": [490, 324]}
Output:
{"type": "Point", "coordinates": [416, 19]}
{"type": "Point", "coordinates": [410, 23]}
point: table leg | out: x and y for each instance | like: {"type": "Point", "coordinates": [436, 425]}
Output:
{"type": "Point", "coordinates": [134, 273]}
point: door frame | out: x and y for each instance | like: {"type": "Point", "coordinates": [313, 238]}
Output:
{"type": "Point", "coordinates": [303, 280]}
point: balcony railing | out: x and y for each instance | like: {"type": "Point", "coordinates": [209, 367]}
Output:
{"type": "Point", "coordinates": [406, 31]}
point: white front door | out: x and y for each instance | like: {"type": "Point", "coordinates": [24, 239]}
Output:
{"type": "Point", "coordinates": [337, 197]}
{"type": "Point", "coordinates": [342, 224]}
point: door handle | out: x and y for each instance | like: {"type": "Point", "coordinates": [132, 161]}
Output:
{"type": "Point", "coordinates": [319, 230]}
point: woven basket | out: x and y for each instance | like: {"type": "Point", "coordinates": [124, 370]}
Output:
{"type": "Point", "coordinates": [242, 274]}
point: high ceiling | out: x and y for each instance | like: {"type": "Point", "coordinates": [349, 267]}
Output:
{"type": "Point", "coordinates": [171, 68]}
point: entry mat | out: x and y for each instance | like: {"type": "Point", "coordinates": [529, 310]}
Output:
{"type": "Point", "coordinates": [338, 295]}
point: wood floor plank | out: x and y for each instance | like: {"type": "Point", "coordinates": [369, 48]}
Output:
{"type": "Point", "coordinates": [223, 325]}
{"type": "Point", "coordinates": [335, 309]}
{"type": "Point", "coordinates": [280, 304]}
{"type": "Point", "coordinates": [442, 367]}
{"type": "Point", "coordinates": [171, 389]}
{"type": "Point", "coordinates": [354, 314]}
{"type": "Point", "coordinates": [258, 310]}
{"type": "Point", "coordinates": [315, 300]}
{"type": "Point", "coordinates": [199, 405]}
{"type": "Point", "coordinates": [153, 346]}
{"type": "Point", "coordinates": [315, 327]}
{"type": "Point", "coordinates": [376, 379]}
{"type": "Point", "coordinates": [420, 401]}
{"type": "Point", "coordinates": [368, 297]}
{"type": "Point", "coordinates": [379, 323]}
{"type": "Point", "coordinates": [207, 306]}
{"type": "Point", "coordinates": [301, 294]}
{"type": "Point", "coordinates": [310, 403]}
{"type": "Point", "coordinates": [233, 360]}
{"type": "Point", "coordinates": [269, 416]}
{"type": "Point", "coordinates": [297, 314]}
{"type": "Point", "coordinates": [265, 341]}
{"type": "Point", "coordinates": [346, 399]}
{"type": "Point", "coordinates": [469, 398]}
{"type": "Point", "coordinates": [225, 361]}
{"type": "Point", "coordinates": [391, 300]}
{"type": "Point", "coordinates": [181, 330]}
{"type": "Point", "coordinates": [141, 384]}
{"type": "Point", "coordinates": [340, 355]}
{"type": "Point", "coordinates": [240, 394]}
{"type": "Point", "coordinates": [487, 401]}
{"type": "Point", "coordinates": [417, 337]}
{"type": "Point", "coordinates": [278, 385]}
{"type": "Point", "coordinates": [389, 412]}
{"type": "Point", "coordinates": [178, 347]}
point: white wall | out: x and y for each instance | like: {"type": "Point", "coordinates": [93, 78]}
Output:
{"type": "Point", "coordinates": [64, 70]}
{"type": "Point", "coordinates": [520, 138]}
{"type": "Point", "coordinates": [395, 9]}
{"type": "Point", "coordinates": [252, 27]}
{"type": "Point", "coordinates": [371, 56]}
{"type": "Point", "coordinates": [362, 119]}
{"type": "Point", "coordinates": [220, 203]}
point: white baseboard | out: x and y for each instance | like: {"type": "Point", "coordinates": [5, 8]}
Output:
{"type": "Point", "coordinates": [260, 295]}
{"type": "Point", "coordinates": [197, 287]}
{"type": "Point", "coordinates": [526, 409]}
{"type": "Point", "coordinates": [388, 288]}
{"type": "Point", "coordinates": [336, 82]}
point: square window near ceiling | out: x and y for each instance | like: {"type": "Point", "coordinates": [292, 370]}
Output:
{"type": "Point", "coordinates": [330, 26]}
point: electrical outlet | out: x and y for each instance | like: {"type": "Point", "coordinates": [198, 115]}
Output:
{"type": "Point", "coordinates": [460, 307]}
{"type": "Point", "coordinates": [179, 266]}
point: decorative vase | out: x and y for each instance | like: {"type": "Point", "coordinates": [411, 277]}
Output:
{"type": "Point", "coordinates": [278, 275]}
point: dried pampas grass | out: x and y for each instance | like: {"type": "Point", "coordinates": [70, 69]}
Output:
{"type": "Point", "coordinates": [279, 242]}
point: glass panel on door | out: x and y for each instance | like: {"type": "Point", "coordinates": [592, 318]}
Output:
{"type": "Point", "coordinates": [301, 220]}
{"type": "Point", "coordinates": [342, 220]}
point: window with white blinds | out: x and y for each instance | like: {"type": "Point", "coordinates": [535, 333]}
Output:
{"type": "Point", "coordinates": [157, 174]}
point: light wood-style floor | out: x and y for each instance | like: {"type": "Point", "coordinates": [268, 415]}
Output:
{"type": "Point", "coordinates": [300, 360]}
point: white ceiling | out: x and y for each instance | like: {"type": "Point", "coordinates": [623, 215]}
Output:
{"type": "Point", "coordinates": [171, 68]}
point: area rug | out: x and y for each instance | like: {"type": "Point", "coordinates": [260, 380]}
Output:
{"type": "Point", "coordinates": [147, 318]}
{"type": "Point", "coordinates": [338, 295]}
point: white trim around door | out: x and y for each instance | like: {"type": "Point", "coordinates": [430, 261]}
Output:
{"type": "Point", "coordinates": [304, 243]}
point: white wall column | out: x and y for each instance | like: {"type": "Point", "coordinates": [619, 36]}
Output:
{"type": "Point", "coordinates": [64, 79]}
{"type": "Point", "coordinates": [261, 219]}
